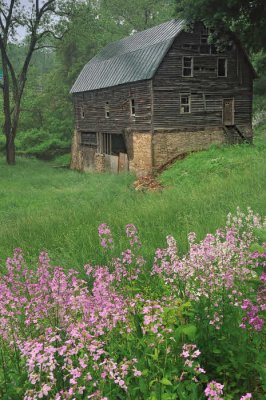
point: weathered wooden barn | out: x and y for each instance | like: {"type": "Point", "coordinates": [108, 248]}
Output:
{"type": "Point", "coordinates": [146, 99]}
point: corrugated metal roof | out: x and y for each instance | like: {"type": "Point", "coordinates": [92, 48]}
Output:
{"type": "Point", "coordinates": [131, 59]}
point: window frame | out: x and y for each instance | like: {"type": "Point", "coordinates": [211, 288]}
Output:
{"type": "Point", "coordinates": [225, 67]}
{"type": "Point", "coordinates": [105, 143]}
{"type": "Point", "coordinates": [204, 34]}
{"type": "Point", "coordinates": [91, 138]}
{"type": "Point", "coordinates": [107, 110]}
{"type": "Point", "coordinates": [132, 107]}
{"type": "Point", "coordinates": [191, 68]}
{"type": "Point", "coordinates": [188, 95]}
{"type": "Point", "coordinates": [82, 112]}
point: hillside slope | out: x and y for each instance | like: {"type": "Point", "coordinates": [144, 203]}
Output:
{"type": "Point", "coordinates": [42, 207]}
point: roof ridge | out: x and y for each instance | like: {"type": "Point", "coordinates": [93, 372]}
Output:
{"type": "Point", "coordinates": [94, 59]}
{"type": "Point", "coordinates": [147, 29]}
{"type": "Point", "coordinates": [130, 39]}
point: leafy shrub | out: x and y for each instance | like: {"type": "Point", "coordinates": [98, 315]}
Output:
{"type": "Point", "coordinates": [189, 328]}
{"type": "Point", "coordinates": [41, 144]}
{"type": "Point", "coordinates": [259, 115]}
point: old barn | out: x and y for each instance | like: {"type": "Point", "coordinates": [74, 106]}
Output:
{"type": "Point", "coordinates": [146, 99]}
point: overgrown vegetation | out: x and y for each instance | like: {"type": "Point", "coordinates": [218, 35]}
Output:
{"type": "Point", "coordinates": [188, 324]}
{"type": "Point", "coordinates": [58, 210]}
{"type": "Point", "coordinates": [189, 327]}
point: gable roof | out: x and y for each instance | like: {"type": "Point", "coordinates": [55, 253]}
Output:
{"type": "Point", "coordinates": [134, 58]}
{"type": "Point", "coordinates": [131, 59]}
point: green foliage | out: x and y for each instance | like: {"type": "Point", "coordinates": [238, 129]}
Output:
{"type": "Point", "coordinates": [140, 14]}
{"type": "Point", "coordinates": [41, 144]}
{"type": "Point", "coordinates": [245, 18]}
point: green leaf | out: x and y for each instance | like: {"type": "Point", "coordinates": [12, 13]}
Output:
{"type": "Point", "coordinates": [165, 382]}
{"type": "Point", "coordinates": [188, 330]}
{"type": "Point", "coordinates": [152, 382]}
{"type": "Point", "coordinates": [155, 356]}
{"type": "Point", "coordinates": [216, 351]}
{"type": "Point", "coordinates": [137, 321]}
{"type": "Point", "coordinates": [145, 372]}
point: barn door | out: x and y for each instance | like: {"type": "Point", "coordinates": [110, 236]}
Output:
{"type": "Point", "coordinates": [228, 112]}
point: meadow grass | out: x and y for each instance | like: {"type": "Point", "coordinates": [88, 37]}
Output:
{"type": "Point", "coordinates": [42, 207]}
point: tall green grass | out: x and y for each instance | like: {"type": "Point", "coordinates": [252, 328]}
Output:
{"type": "Point", "coordinates": [59, 210]}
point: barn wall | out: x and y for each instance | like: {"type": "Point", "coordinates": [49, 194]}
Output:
{"type": "Point", "coordinates": [82, 157]}
{"type": "Point", "coordinates": [206, 89]}
{"type": "Point", "coordinates": [93, 104]}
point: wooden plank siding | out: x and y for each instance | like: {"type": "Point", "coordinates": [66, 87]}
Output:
{"type": "Point", "coordinates": [206, 89]}
{"type": "Point", "coordinates": [93, 106]}
{"type": "Point", "coordinates": [158, 105]}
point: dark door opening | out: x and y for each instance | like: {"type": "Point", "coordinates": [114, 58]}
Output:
{"type": "Point", "coordinates": [118, 145]}
{"type": "Point", "coordinates": [112, 144]}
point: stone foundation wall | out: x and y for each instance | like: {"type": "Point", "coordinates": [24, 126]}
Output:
{"type": "Point", "coordinates": [99, 162]}
{"type": "Point", "coordinates": [140, 159]}
{"type": "Point", "coordinates": [169, 144]}
{"type": "Point", "coordinates": [76, 154]}
{"type": "Point", "coordinates": [147, 152]}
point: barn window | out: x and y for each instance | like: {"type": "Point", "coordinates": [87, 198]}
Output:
{"type": "Point", "coordinates": [107, 110]}
{"type": "Point", "coordinates": [88, 139]}
{"type": "Point", "coordinates": [82, 112]}
{"type": "Point", "coordinates": [204, 34]}
{"type": "Point", "coordinates": [187, 66]}
{"type": "Point", "coordinates": [222, 67]}
{"type": "Point", "coordinates": [106, 143]}
{"type": "Point", "coordinates": [185, 103]}
{"type": "Point", "coordinates": [132, 108]}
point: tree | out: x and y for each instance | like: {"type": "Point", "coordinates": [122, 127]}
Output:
{"type": "Point", "coordinates": [245, 17]}
{"type": "Point", "coordinates": [40, 21]}
{"type": "Point", "coordinates": [140, 14]}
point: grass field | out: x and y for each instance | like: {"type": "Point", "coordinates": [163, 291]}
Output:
{"type": "Point", "coordinates": [59, 210]}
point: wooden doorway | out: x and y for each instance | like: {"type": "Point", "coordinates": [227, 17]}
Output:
{"type": "Point", "coordinates": [228, 112]}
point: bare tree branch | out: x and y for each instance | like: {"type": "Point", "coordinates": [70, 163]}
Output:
{"type": "Point", "coordinates": [46, 8]}
{"type": "Point", "coordinates": [45, 46]}
{"type": "Point", "coordinates": [40, 25]}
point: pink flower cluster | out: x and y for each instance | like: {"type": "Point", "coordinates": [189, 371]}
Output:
{"type": "Point", "coordinates": [132, 234]}
{"type": "Point", "coordinates": [255, 313]}
{"type": "Point", "coordinates": [76, 320]}
{"type": "Point", "coordinates": [105, 236]}
{"type": "Point", "coordinates": [78, 338]}
{"type": "Point", "coordinates": [217, 266]}
{"type": "Point", "coordinates": [190, 353]}
{"type": "Point", "coordinates": [214, 390]}
{"type": "Point", "coordinates": [246, 396]}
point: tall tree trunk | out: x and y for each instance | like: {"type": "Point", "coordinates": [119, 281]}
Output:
{"type": "Point", "coordinates": [10, 149]}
